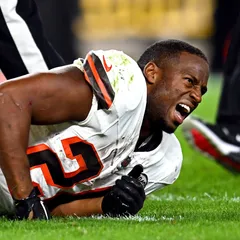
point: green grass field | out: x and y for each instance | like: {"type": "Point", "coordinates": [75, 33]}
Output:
{"type": "Point", "coordinates": [203, 204]}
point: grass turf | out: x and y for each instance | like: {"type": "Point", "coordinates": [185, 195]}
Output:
{"type": "Point", "coordinates": [202, 204]}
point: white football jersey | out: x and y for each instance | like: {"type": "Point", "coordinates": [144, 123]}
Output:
{"type": "Point", "coordinates": [78, 160]}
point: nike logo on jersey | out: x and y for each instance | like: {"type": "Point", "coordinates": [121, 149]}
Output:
{"type": "Point", "coordinates": [108, 68]}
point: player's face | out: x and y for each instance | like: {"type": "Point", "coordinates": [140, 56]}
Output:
{"type": "Point", "coordinates": [175, 90]}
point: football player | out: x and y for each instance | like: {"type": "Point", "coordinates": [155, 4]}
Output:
{"type": "Point", "coordinates": [70, 136]}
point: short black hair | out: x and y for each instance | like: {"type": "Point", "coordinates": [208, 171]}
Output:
{"type": "Point", "coordinates": [162, 51]}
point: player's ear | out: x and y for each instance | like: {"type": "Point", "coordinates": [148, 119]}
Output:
{"type": "Point", "coordinates": [151, 71]}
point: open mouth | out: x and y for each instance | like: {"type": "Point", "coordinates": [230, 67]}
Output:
{"type": "Point", "coordinates": [181, 112]}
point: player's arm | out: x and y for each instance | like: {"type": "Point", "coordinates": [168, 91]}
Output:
{"type": "Point", "coordinates": [45, 98]}
{"type": "Point", "coordinates": [126, 197]}
{"type": "Point", "coordinates": [84, 207]}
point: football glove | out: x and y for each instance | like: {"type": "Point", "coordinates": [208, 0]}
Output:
{"type": "Point", "coordinates": [126, 197]}
{"type": "Point", "coordinates": [31, 207]}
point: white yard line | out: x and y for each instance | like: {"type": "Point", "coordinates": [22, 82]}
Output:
{"type": "Point", "coordinates": [172, 197]}
{"type": "Point", "coordinates": [136, 218]}
{"type": "Point", "coordinates": [131, 218]}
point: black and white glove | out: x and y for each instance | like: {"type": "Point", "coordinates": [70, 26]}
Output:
{"type": "Point", "coordinates": [126, 197]}
{"type": "Point", "coordinates": [31, 207]}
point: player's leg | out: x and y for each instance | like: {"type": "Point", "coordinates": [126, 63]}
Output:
{"type": "Point", "coordinates": [229, 110]}
{"type": "Point", "coordinates": [58, 25]}
{"type": "Point", "coordinates": [222, 140]}
{"type": "Point", "coordinates": [225, 15]}
{"type": "Point", "coordinates": [23, 45]}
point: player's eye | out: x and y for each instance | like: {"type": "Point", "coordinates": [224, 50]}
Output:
{"type": "Point", "coordinates": [190, 80]}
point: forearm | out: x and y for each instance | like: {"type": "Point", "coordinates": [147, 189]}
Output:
{"type": "Point", "coordinates": [84, 207]}
{"type": "Point", "coordinates": [14, 127]}
{"type": "Point", "coordinates": [125, 197]}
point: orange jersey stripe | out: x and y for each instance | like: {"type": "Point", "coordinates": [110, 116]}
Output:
{"type": "Point", "coordinates": [37, 148]}
{"type": "Point", "coordinates": [99, 81]}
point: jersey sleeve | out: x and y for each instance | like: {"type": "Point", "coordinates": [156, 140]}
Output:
{"type": "Point", "coordinates": [111, 74]}
{"type": "Point", "coordinates": [95, 71]}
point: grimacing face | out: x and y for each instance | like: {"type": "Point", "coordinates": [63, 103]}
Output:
{"type": "Point", "coordinates": [174, 90]}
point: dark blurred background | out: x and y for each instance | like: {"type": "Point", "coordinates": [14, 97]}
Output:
{"type": "Point", "coordinates": [76, 26]}
{"type": "Point", "coordinates": [58, 17]}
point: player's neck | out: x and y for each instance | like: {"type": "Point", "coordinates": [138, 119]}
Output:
{"type": "Point", "coordinates": [145, 132]}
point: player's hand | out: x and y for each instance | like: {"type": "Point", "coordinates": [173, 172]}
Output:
{"type": "Point", "coordinates": [31, 207]}
{"type": "Point", "coordinates": [127, 195]}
